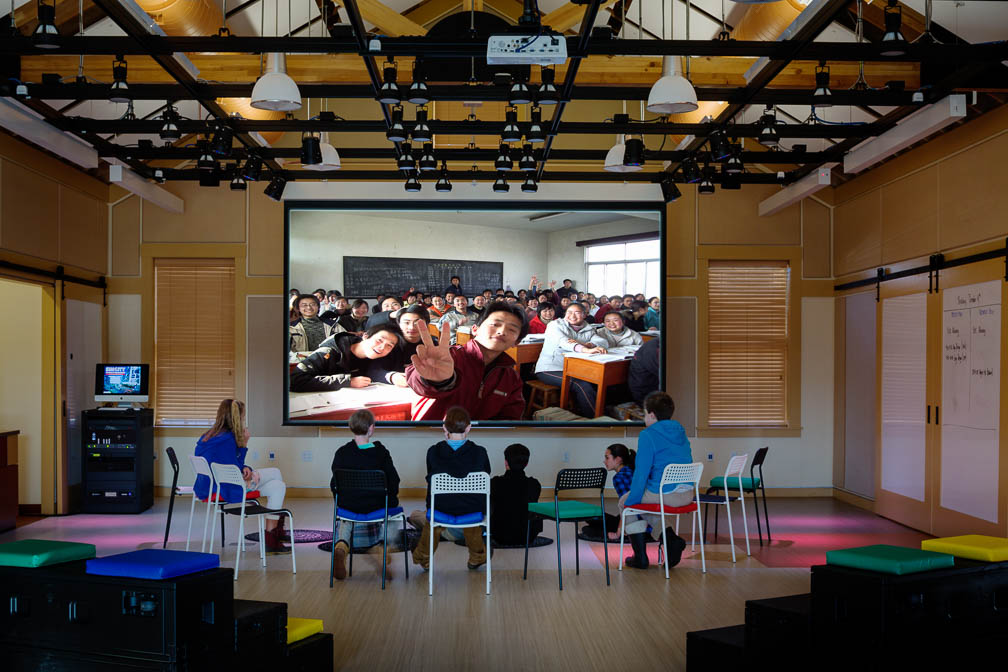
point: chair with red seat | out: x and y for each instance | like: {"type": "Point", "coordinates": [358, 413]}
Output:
{"type": "Point", "coordinates": [673, 474]}
{"type": "Point", "coordinates": [202, 467]}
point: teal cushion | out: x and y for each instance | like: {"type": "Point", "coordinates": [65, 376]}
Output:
{"type": "Point", "coordinates": [747, 483]}
{"type": "Point", "coordinates": [569, 509]}
{"type": "Point", "coordinates": [42, 552]}
{"type": "Point", "coordinates": [889, 559]}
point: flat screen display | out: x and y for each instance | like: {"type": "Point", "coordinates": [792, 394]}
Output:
{"type": "Point", "coordinates": [461, 285]}
{"type": "Point", "coordinates": [121, 382]}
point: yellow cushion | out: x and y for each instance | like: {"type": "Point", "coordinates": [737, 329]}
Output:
{"type": "Point", "coordinates": [972, 546]}
{"type": "Point", "coordinates": [301, 628]}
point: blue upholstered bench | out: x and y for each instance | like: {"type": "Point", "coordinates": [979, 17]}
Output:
{"type": "Point", "coordinates": [153, 563]}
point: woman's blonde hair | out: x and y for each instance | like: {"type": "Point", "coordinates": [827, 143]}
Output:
{"type": "Point", "coordinates": [230, 418]}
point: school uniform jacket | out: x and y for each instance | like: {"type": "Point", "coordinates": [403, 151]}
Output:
{"type": "Point", "coordinates": [491, 392]}
{"type": "Point", "coordinates": [333, 364]}
{"type": "Point", "coordinates": [607, 339]}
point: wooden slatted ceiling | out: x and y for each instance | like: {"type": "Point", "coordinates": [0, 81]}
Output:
{"type": "Point", "coordinates": [748, 343]}
{"type": "Point", "coordinates": [194, 339]}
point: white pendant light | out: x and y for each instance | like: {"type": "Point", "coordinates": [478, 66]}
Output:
{"type": "Point", "coordinates": [673, 93]}
{"type": "Point", "coordinates": [330, 157]}
{"type": "Point", "coordinates": [275, 90]}
{"type": "Point", "coordinates": [614, 159]}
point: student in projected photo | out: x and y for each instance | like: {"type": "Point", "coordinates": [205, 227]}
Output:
{"type": "Point", "coordinates": [614, 334]}
{"type": "Point", "coordinates": [479, 376]}
{"type": "Point", "coordinates": [571, 334]}
{"type": "Point", "coordinates": [347, 360]}
{"type": "Point", "coordinates": [310, 331]}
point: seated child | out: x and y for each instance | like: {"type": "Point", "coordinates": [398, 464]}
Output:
{"type": "Point", "coordinates": [613, 333]}
{"type": "Point", "coordinates": [510, 495]}
{"type": "Point", "coordinates": [362, 453]}
{"type": "Point", "coordinates": [457, 456]}
{"type": "Point", "coordinates": [620, 459]}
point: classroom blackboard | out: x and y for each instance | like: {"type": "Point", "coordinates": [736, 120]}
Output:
{"type": "Point", "coordinates": [365, 277]}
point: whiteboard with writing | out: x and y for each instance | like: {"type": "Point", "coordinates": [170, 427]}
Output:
{"type": "Point", "coordinates": [970, 402]}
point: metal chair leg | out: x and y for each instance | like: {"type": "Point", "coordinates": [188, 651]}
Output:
{"type": "Point", "coordinates": [528, 528]}
{"type": "Point", "coordinates": [577, 552]}
{"type": "Point", "coordinates": [384, 556]}
{"type": "Point", "coordinates": [332, 554]}
{"type": "Point", "coordinates": [765, 514]}
{"type": "Point", "coordinates": [352, 527]}
{"type": "Point", "coordinates": [759, 527]}
{"type": "Point", "coordinates": [171, 506]}
{"type": "Point", "coordinates": [559, 563]}
{"type": "Point", "coordinates": [605, 545]}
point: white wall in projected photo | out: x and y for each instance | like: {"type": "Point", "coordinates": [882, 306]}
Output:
{"type": "Point", "coordinates": [971, 393]}
{"type": "Point", "coordinates": [904, 376]}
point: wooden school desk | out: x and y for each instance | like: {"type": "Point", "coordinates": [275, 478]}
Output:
{"type": "Point", "coordinates": [601, 373]}
{"type": "Point", "coordinates": [386, 402]}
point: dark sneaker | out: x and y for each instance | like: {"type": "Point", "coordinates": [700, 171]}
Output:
{"type": "Point", "coordinates": [676, 545]}
{"type": "Point", "coordinates": [477, 565]}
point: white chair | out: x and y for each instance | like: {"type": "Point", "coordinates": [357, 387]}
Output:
{"type": "Point", "coordinates": [673, 473]}
{"type": "Point", "coordinates": [735, 466]}
{"type": "Point", "coordinates": [476, 483]}
{"type": "Point", "coordinates": [201, 466]}
{"type": "Point", "coordinates": [232, 475]}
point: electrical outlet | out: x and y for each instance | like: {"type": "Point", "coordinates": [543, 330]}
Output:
{"type": "Point", "coordinates": [272, 455]}
{"type": "Point", "coordinates": [566, 456]}
{"type": "Point", "coordinates": [254, 455]}
{"type": "Point", "coordinates": [306, 456]}
{"type": "Point", "coordinates": [710, 457]}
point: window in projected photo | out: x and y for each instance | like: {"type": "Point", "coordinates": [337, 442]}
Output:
{"type": "Point", "coordinates": [624, 268]}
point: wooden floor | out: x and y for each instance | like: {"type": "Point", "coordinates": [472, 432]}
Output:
{"type": "Point", "coordinates": [641, 619]}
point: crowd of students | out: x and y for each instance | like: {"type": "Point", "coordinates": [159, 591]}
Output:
{"type": "Point", "coordinates": [352, 344]}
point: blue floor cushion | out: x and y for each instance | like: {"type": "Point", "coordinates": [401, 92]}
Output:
{"type": "Point", "coordinates": [153, 563]}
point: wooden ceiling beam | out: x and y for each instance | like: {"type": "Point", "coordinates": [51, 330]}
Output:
{"type": "Point", "coordinates": [386, 19]}
{"type": "Point", "coordinates": [568, 15]}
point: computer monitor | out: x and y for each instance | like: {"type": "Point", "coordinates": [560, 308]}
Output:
{"type": "Point", "coordinates": [122, 382]}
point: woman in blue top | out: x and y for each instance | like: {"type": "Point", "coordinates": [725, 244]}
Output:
{"type": "Point", "coordinates": [227, 443]}
{"type": "Point", "coordinates": [652, 319]}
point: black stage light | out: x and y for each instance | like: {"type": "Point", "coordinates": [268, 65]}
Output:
{"type": "Point", "coordinates": [275, 188]}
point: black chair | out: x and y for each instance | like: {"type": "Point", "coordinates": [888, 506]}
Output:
{"type": "Point", "coordinates": [572, 511]}
{"type": "Point", "coordinates": [362, 482]}
{"type": "Point", "coordinates": [749, 485]}
{"type": "Point", "coordinates": [176, 490]}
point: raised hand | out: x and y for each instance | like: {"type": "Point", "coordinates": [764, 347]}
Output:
{"type": "Point", "coordinates": [434, 362]}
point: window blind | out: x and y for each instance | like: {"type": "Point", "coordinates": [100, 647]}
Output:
{"type": "Point", "coordinates": [748, 343]}
{"type": "Point", "coordinates": [194, 339]}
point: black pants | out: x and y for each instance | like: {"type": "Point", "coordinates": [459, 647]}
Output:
{"type": "Point", "coordinates": [582, 391]}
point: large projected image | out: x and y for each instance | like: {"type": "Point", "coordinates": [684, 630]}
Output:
{"type": "Point", "coordinates": [548, 317]}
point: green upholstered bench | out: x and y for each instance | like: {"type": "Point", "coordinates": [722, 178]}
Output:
{"type": "Point", "coordinates": [970, 546]}
{"type": "Point", "coordinates": [43, 552]}
{"type": "Point", "coordinates": [888, 559]}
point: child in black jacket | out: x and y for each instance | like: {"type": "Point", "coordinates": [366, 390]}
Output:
{"type": "Point", "coordinates": [457, 456]}
{"type": "Point", "coordinates": [362, 454]}
{"type": "Point", "coordinates": [510, 495]}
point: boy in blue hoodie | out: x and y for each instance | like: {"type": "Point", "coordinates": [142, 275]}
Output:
{"type": "Point", "coordinates": [662, 442]}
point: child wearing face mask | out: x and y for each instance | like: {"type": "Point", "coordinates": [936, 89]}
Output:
{"type": "Point", "coordinates": [458, 456]}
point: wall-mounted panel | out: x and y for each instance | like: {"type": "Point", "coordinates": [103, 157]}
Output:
{"type": "Point", "coordinates": [857, 233]}
{"type": "Point", "coordinates": [266, 239]}
{"type": "Point", "coordinates": [680, 240]}
{"type": "Point", "coordinates": [83, 231]}
{"type": "Point", "coordinates": [126, 237]}
{"type": "Point", "coordinates": [910, 216]}
{"type": "Point", "coordinates": [212, 215]}
{"type": "Point", "coordinates": [971, 194]}
{"type": "Point", "coordinates": [681, 357]}
{"type": "Point", "coordinates": [29, 212]}
{"type": "Point", "coordinates": [860, 397]}
{"type": "Point", "coordinates": [732, 218]}
{"type": "Point", "coordinates": [815, 239]}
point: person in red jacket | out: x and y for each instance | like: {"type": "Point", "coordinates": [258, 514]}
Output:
{"type": "Point", "coordinates": [479, 376]}
{"type": "Point", "coordinates": [545, 313]}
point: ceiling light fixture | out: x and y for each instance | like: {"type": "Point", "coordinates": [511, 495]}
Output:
{"type": "Point", "coordinates": [418, 92]}
{"type": "Point", "coordinates": [529, 186]}
{"type": "Point", "coordinates": [412, 184]}
{"type": "Point", "coordinates": [512, 133]}
{"type": "Point", "coordinates": [519, 94]}
{"type": "Point", "coordinates": [503, 160]}
{"type": "Point", "coordinates": [406, 160]}
{"type": "Point", "coordinates": [691, 171]}
{"type": "Point", "coordinates": [443, 184]}
{"type": "Point", "coordinates": [527, 161]}
{"type": "Point", "coordinates": [311, 149]}
{"type": "Point", "coordinates": [501, 186]}
{"type": "Point", "coordinates": [46, 33]}
{"type": "Point", "coordinates": [427, 160]}
{"type": "Point", "coordinates": [670, 192]}
{"type": "Point", "coordinates": [548, 94]}
{"type": "Point", "coordinates": [706, 184]}
{"type": "Point", "coordinates": [733, 164]}
{"type": "Point", "coordinates": [389, 92]}
{"type": "Point", "coordinates": [275, 90]}
{"type": "Point", "coordinates": [206, 160]}
{"type": "Point", "coordinates": [238, 184]}
{"type": "Point", "coordinates": [396, 131]}
{"type": "Point", "coordinates": [421, 131]}
{"type": "Point", "coordinates": [120, 89]}
{"type": "Point", "coordinates": [893, 42]}
{"type": "Point", "coordinates": [768, 135]}
{"type": "Point", "coordinates": [275, 188]}
{"type": "Point", "coordinates": [673, 93]}
{"type": "Point", "coordinates": [535, 133]}
{"type": "Point", "coordinates": [222, 139]}
{"type": "Point", "coordinates": [252, 168]}
{"type": "Point", "coordinates": [169, 129]}
{"type": "Point", "coordinates": [822, 96]}
{"type": "Point", "coordinates": [159, 176]}
{"type": "Point", "coordinates": [719, 145]}
{"type": "Point", "coordinates": [614, 158]}
{"type": "Point", "coordinates": [330, 157]}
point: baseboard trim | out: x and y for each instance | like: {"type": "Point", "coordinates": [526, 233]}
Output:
{"type": "Point", "coordinates": [29, 509]}
{"type": "Point", "coordinates": [854, 500]}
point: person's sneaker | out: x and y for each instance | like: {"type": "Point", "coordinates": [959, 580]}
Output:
{"type": "Point", "coordinates": [676, 546]}
{"type": "Point", "coordinates": [339, 558]}
{"type": "Point", "coordinates": [474, 566]}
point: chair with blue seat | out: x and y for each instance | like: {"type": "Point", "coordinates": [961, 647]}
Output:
{"type": "Point", "coordinates": [749, 485]}
{"type": "Point", "coordinates": [475, 483]}
{"type": "Point", "coordinates": [230, 474]}
{"type": "Point", "coordinates": [733, 473]}
{"type": "Point", "coordinates": [363, 482]}
{"type": "Point", "coordinates": [573, 511]}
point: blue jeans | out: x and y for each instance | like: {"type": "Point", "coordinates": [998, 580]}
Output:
{"type": "Point", "coordinates": [582, 391]}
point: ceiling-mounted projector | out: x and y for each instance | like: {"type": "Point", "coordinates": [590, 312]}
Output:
{"type": "Point", "coordinates": [517, 49]}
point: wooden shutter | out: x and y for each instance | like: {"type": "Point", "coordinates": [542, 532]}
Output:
{"type": "Point", "coordinates": [194, 339]}
{"type": "Point", "coordinates": [748, 343]}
